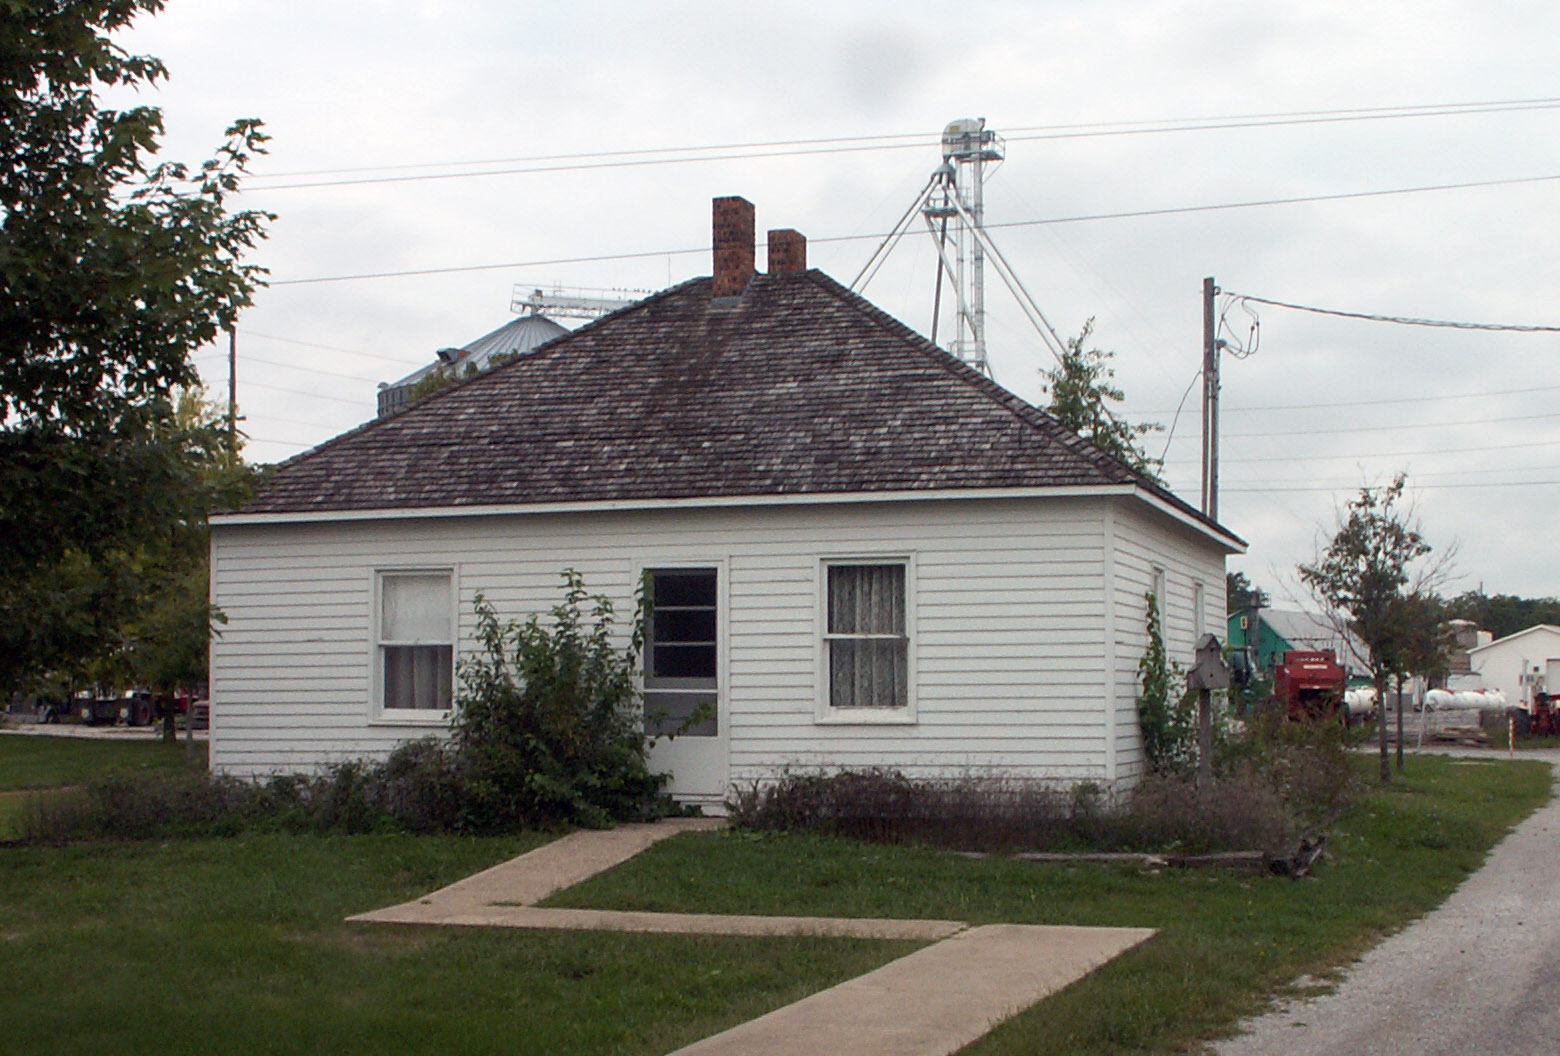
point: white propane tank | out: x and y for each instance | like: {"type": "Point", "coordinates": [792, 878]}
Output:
{"type": "Point", "coordinates": [1465, 699]}
{"type": "Point", "coordinates": [1361, 701]}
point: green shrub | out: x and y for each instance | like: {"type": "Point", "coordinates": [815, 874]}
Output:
{"type": "Point", "coordinates": [1306, 762]}
{"type": "Point", "coordinates": [547, 731]}
{"type": "Point", "coordinates": [547, 727]}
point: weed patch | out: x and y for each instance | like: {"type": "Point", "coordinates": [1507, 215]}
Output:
{"type": "Point", "coordinates": [1165, 812]}
{"type": "Point", "coordinates": [1275, 783]}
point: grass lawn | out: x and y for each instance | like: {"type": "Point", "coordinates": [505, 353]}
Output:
{"type": "Point", "coordinates": [42, 761]}
{"type": "Point", "coordinates": [32, 764]}
{"type": "Point", "coordinates": [237, 946]}
{"type": "Point", "coordinates": [1225, 941]}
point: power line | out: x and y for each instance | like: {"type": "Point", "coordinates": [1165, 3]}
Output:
{"type": "Point", "coordinates": [1356, 455]}
{"type": "Point", "coordinates": [548, 163]}
{"type": "Point", "coordinates": [879, 236]}
{"type": "Point", "coordinates": [920, 139]}
{"type": "Point", "coordinates": [1372, 403]}
{"type": "Point", "coordinates": [280, 443]}
{"type": "Point", "coordinates": [1414, 478]}
{"type": "Point", "coordinates": [523, 264]}
{"type": "Point", "coordinates": [1396, 428]}
{"type": "Point", "coordinates": [306, 392]}
{"type": "Point", "coordinates": [1296, 117]}
{"type": "Point", "coordinates": [250, 357]}
{"type": "Point", "coordinates": [1297, 200]}
{"type": "Point", "coordinates": [1401, 320]}
{"type": "Point", "coordinates": [1269, 490]}
{"type": "Point", "coordinates": [1170, 433]}
{"type": "Point", "coordinates": [328, 348]}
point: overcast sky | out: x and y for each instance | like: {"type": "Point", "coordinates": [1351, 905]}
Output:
{"type": "Point", "coordinates": [1322, 406]}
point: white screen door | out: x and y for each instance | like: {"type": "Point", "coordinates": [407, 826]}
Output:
{"type": "Point", "coordinates": [682, 681]}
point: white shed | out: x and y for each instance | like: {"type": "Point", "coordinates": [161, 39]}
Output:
{"type": "Point", "coordinates": [865, 553]}
{"type": "Point", "coordinates": [1502, 663]}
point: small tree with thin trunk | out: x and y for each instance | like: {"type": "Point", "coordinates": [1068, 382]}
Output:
{"type": "Point", "coordinates": [1362, 576]}
{"type": "Point", "coordinates": [1083, 394]}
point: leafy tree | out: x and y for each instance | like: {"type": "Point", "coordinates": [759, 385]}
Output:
{"type": "Point", "coordinates": [1504, 614]}
{"type": "Point", "coordinates": [113, 269]}
{"type": "Point", "coordinates": [1083, 391]}
{"type": "Point", "coordinates": [1362, 576]}
{"type": "Point", "coordinates": [167, 626]}
{"type": "Point", "coordinates": [1240, 594]}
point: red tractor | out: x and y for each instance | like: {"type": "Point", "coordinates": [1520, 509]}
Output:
{"type": "Point", "coordinates": [1309, 685]}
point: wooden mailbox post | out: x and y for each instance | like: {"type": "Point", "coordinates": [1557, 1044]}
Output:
{"type": "Point", "coordinates": [1207, 675]}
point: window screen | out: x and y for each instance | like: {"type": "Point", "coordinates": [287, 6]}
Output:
{"type": "Point", "coordinates": [868, 648]}
{"type": "Point", "coordinates": [416, 641]}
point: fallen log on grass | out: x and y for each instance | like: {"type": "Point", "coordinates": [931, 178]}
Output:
{"type": "Point", "coordinates": [1299, 863]}
{"type": "Point", "coordinates": [1147, 861]}
{"type": "Point", "coordinates": [1293, 865]}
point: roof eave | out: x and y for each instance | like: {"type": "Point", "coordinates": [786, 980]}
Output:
{"type": "Point", "coordinates": [1513, 636]}
{"type": "Point", "coordinates": [1223, 538]}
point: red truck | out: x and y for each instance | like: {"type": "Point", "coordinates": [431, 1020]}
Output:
{"type": "Point", "coordinates": [1309, 684]}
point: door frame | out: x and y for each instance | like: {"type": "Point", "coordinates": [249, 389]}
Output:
{"type": "Point", "coordinates": [705, 761]}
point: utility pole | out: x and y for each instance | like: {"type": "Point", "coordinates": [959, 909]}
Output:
{"type": "Point", "coordinates": [1210, 408]}
{"type": "Point", "coordinates": [232, 415]}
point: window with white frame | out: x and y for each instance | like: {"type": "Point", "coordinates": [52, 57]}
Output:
{"type": "Point", "coordinates": [866, 639]}
{"type": "Point", "coordinates": [1159, 596]}
{"type": "Point", "coordinates": [1199, 613]}
{"type": "Point", "coordinates": [416, 641]}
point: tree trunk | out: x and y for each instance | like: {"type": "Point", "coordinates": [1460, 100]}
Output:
{"type": "Point", "coordinates": [1204, 739]}
{"type": "Point", "coordinates": [1400, 722]}
{"type": "Point", "coordinates": [1381, 709]}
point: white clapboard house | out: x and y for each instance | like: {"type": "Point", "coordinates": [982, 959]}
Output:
{"type": "Point", "coordinates": [864, 553]}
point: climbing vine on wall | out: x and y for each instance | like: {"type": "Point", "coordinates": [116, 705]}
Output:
{"type": "Point", "coordinates": [1166, 715]}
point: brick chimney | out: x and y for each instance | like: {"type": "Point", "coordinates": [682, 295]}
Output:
{"type": "Point", "coordinates": [733, 240]}
{"type": "Point", "coordinates": [787, 252]}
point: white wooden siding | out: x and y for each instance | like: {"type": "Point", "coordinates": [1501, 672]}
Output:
{"type": "Point", "coordinates": [1145, 540]}
{"type": "Point", "coordinates": [1010, 619]}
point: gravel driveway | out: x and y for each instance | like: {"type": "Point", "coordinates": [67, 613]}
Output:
{"type": "Point", "coordinates": [1478, 975]}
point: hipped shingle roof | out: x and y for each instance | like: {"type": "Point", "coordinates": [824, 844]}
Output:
{"type": "Point", "coordinates": [797, 387]}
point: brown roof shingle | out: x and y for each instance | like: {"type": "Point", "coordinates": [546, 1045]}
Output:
{"type": "Point", "coordinates": [797, 387]}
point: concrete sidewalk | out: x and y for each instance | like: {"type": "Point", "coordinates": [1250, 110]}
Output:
{"type": "Point", "coordinates": [531, 877]}
{"type": "Point", "coordinates": [505, 896]}
{"type": "Point", "coordinates": [930, 1003]}
{"type": "Point", "coordinates": [933, 1002]}
{"type": "Point", "coordinates": [17, 728]}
